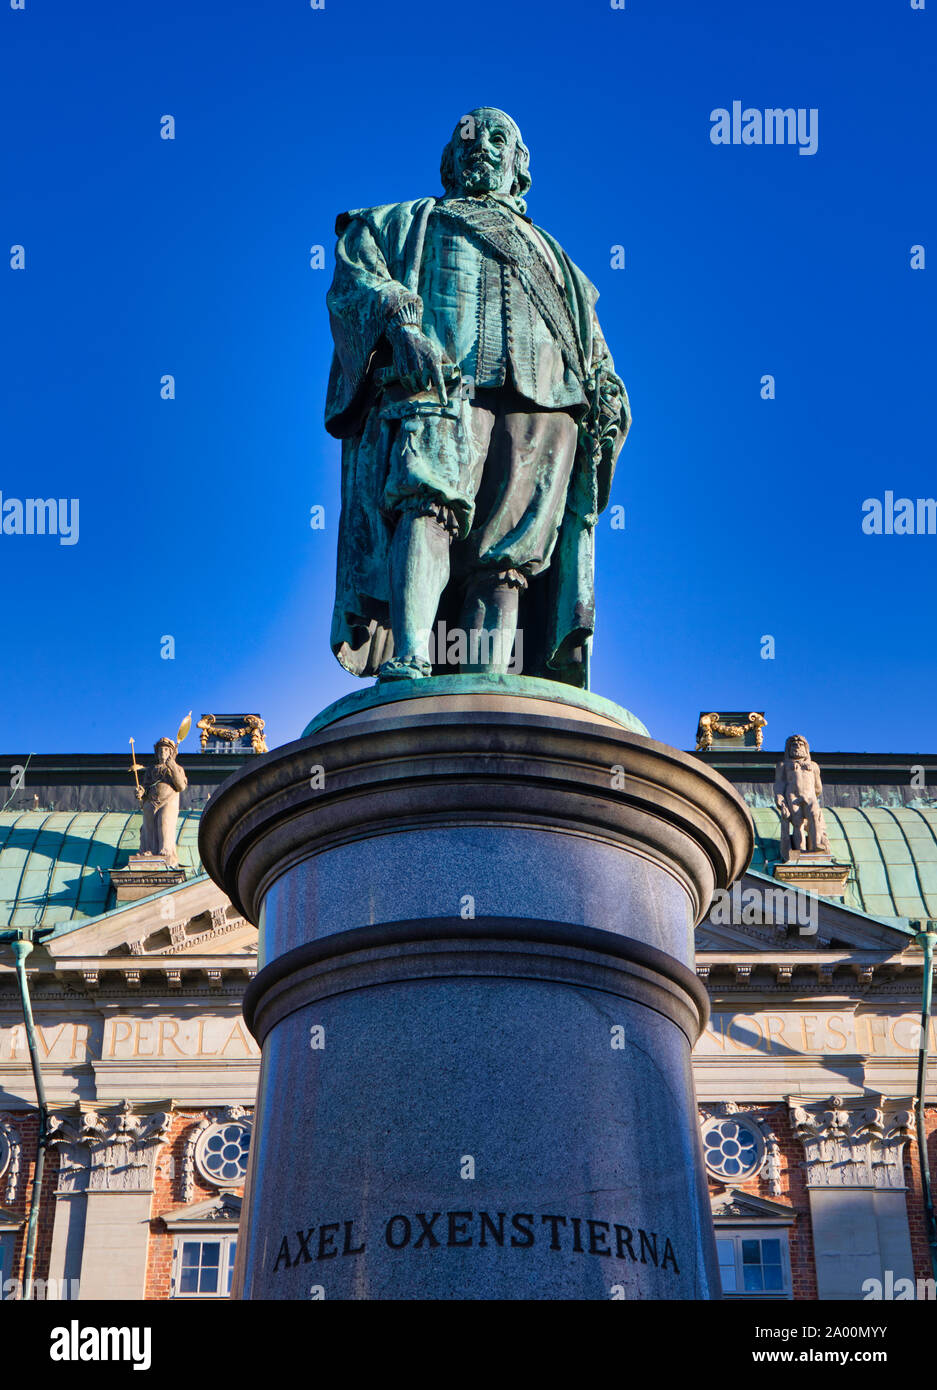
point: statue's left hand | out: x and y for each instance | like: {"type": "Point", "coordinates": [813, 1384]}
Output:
{"type": "Point", "coordinates": [418, 361]}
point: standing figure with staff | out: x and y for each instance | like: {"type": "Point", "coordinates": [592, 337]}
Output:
{"type": "Point", "coordinates": [159, 793]}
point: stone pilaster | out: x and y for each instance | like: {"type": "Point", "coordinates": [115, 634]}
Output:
{"type": "Point", "coordinates": [854, 1161]}
{"type": "Point", "coordinates": [104, 1195]}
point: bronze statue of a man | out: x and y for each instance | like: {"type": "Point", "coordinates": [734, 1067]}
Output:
{"type": "Point", "coordinates": [797, 792]}
{"type": "Point", "coordinates": [162, 783]}
{"type": "Point", "coordinates": [480, 417]}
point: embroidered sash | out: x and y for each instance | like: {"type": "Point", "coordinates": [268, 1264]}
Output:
{"type": "Point", "coordinates": [495, 229]}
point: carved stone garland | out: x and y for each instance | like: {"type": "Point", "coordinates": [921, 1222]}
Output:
{"type": "Point", "coordinates": [10, 1156]}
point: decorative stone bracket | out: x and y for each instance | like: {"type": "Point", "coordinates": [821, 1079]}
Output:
{"type": "Point", "coordinates": [111, 1150]}
{"type": "Point", "coordinates": [857, 1142]}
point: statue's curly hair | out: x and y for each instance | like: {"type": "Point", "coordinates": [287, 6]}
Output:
{"type": "Point", "coordinates": [521, 182]}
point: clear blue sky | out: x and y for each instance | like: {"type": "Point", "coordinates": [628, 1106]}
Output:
{"type": "Point", "coordinates": [191, 257]}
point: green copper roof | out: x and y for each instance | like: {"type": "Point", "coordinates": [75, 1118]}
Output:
{"type": "Point", "coordinates": [54, 864]}
{"type": "Point", "coordinates": [50, 860]}
{"type": "Point", "coordinates": [892, 851]}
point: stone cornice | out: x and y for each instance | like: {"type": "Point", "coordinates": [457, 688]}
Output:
{"type": "Point", "coordinates": [481, 768]}
{"type": "Point", "coordinates": [171, 974]}
{"type": "Point", "coordinates": [842, 974]}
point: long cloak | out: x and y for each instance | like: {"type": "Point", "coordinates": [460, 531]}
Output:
{"type": "Point", "coordinates": [372, 278]}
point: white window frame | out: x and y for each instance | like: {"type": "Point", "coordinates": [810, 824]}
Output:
{"type": "Point", "coordinates": [737, 1234]}
{"type": "Point", "coordinates": [226, 1239]}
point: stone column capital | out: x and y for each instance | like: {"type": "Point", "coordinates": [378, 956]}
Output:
{"type": "Point", "coordinates": [854, 1142]}
{"type": "Point", "coordinates": [111, 1148]}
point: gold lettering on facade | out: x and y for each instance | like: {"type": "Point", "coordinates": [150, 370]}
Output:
{"type": "Point", "coordinates": [718, 1038]}
{"type": "Point", "coordinates": [878, 1033]}
{"type": "Point", "coordinates": [237, 1032]}
{"type": "Point", "coordinates": [200, 1047]}
{"type": "Point", "coordinates": [118, 1038]}
{"type": "Point", "coordinates": [773, 1021]}
{"type": "Point", "coordinates": [744, 1022]}
{"type": "Point", "coordinates": [41, 1038]}
{"type": "Point", "coordinates": [166, 1038]}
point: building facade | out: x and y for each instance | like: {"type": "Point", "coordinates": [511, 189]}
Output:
{"type": "Point", "coordinates": [805, 1074]}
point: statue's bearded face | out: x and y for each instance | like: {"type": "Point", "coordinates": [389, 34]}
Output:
{"type": "Point", "coordinates": [798, 749]}
{"type": "Point", "coordinates": [484, 155]}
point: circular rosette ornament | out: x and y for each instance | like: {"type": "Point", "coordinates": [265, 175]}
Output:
{"type": "Point", "coordinates": [221, 1153]}
{"type": "Point", "coordinates": [733, 1149]}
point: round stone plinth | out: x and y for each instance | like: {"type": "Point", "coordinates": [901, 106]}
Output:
{"type": "Point", "coordinates": [477, 1001]}
{"type": "Point", "coordinates": [473, 693]}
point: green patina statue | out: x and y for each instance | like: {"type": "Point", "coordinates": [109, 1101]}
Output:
{"type": "Point", "coordinates": [480, 418]}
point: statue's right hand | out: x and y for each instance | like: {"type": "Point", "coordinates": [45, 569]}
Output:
{"type": "Point", "coordinates": [139, 793]}
{"type": "Point", "coordinates": [418, 362]}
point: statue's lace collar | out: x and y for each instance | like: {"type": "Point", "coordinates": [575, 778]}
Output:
{"type": "Point", "coordinates": [503, 200]}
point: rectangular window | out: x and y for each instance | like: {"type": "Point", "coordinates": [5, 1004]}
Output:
{"type": "Point", "coordinates": [202, 1266]}
{"type": "Point", "coordinates": [7, 1249]}
{"type": "Point", "coordinates": [754, 1264]}
{"type": "Point", "coordinates": [726, 1248]}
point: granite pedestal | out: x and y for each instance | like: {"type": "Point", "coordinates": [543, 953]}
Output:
{"type": "Point", "coordinates": [476, 1001]}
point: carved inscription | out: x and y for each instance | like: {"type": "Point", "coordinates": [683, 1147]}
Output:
{"type": "Point", "coordinates": [424, 1231]}
{"type": "Point", "coordinates": [127, 1038]}
{"type": "Point", "coordinates": [788, 1031]}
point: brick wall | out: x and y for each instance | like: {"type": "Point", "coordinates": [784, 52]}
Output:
{"type": "Point", "coordinates": [916, 1223]}
{"type": "Point", "coordinates": [26, 1124]}
{"type": "Point", "coordinates": [793, 1194]}
{"type": "Point", "coordinates": [167, 1194]}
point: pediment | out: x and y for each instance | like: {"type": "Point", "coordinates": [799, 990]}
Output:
{"type": "Point", "coordinates": [9, 1221]}
{"type": "Point", "coordinates": [757, 914]}
{"type": "Point", "coordinates": [225, 1208]}
{"type": "Point", "coordinates": [192, 918]}
{"type": "Point", "coordinates": [733, 1205]}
